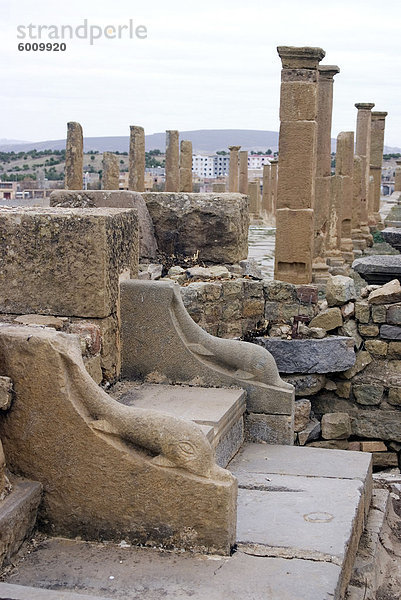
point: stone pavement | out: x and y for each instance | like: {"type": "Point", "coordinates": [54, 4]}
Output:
{"type": "Point", "coordinates": [300, 515]}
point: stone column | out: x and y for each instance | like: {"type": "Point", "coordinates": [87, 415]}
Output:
{"type": "Point", "coordinates": [376, 160]}
{"type": "Point", "coordinates": [363, 133]}
{"type": "Point", "coordinates": [358, 240]}
{"type": "Point", "coordinates": [186, 166]}
{"type": "Point", "coordinates": [136, 175]}
{"type": "Point", "coordinates": [274, 180]}
{"type": "Point", "coordinates": [254, 199]}
{"type": "Point", "coordinates": [267, 207]}
{"type": "Point", "coordinates": [297, 163]}
{"type": "Point", "coordinates": [397, 177]}
{"type": "Point", "coordinates": [172, 161]}
{"type": "Point", "coordinates": [74, 157]}
{"type": "Point", "coordinates": [323, 169]}
{"type": "Point", "coordinates": [233, 169]}
{"type": "Point", "coordinates": [111, 172]}
{"type": "Point", "coordinates": [243, 172]}
{"type": "Point", "coordinates": [345, 174]}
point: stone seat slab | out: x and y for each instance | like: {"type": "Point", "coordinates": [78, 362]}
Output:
{"type": "Point", "coordinates": [218, 411]}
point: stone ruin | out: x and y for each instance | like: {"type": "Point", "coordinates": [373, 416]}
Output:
{"type": "Point", "coordinates": [126, 398]}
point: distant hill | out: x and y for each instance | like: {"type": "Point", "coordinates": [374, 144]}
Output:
{"type": "Point", "coordinates": [203, 140]}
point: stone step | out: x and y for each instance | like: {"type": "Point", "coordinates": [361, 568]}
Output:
{"type": "Point", "coordinates": [218, 411]}
{"type": "Point", "coordinates": [296, 503]}
{"type": "Point", "coordinates": [300, 516]}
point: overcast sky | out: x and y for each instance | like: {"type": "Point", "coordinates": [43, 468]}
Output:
{"type": "Point", "coordinates": [204, 65]}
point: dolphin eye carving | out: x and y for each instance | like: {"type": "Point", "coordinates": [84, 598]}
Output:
{"type": "Point", "coordinates": [185, 448]}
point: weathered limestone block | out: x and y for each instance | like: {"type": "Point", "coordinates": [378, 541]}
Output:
{"type": "Point", "coordinates": [123, 472]}
{"type": "Point", "coordinates": [74, 157]}
{"type": "Point", "coordinates": [377, 424]}
{"type": "Point", "coordinates": [390, 332]}
{"type": "Point", "coordinates": [215, 225]}
{"type": "Point", "coordinates": [275, 428]}
{"type": "Point", "coordinates": [362, 311]}
{"type": "Point", "coordinates": [111, 172]}
{"type": "Point", "coordinates": [336, 426]}
{"type": "Point", "coordinates": [376, 348]}
{"type": "Point", "coordinates": [328, 319]}
{"type": "Point", "coordinates": [385, 460]}
{"type": "Point", "coordinates": [278, 291]}
{"type": "Point", "coordinates": [65, 262]}
{"type": "Point", "coordinates": [379, 313]}
{"type": "Point", "coordinates": [368, 330]}
{"type": "Point", "coordinates": [113, 199]}
{"type": "Point", "coordinates": [311, 432]}
{"type": "Point", "coordinates": [394, 350]}
{"type": "Point", "coordinates": [327, 355]}
{"type": "Point", "coordinates": [340, 290]}
{"type": "Point", "coordinates": [185, 166]}
{"type": "Point", "coordinates": [172, 161]}
{"type": "Point", "coordinates": [362, 360]}
{"type": "Point", "coordinates": [136, 174]}
{"type": "Point", "coordinates": [306, 384]}
{"type": "Point", "coordinates": [394, 396]}
{"type": "Point", "coordinates": [181, 351]}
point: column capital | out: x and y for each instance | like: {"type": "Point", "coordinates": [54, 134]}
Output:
{"type": "Point", "coordinates": [304, 57]}
{"type": "Point", "coordinates": [377, 116]}
{"type": "Point", "coordinates": [328, 71]}
{"type": "Point", "coordinates": [364, 105]}
{"type": "Point", "coordinates": [233, 148]}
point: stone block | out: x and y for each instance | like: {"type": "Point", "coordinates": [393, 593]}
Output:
{"type": "Point", "coordinates": [348, 310]}
{"type": "Point", "coordinates": [350, 329]}
{"type": "Point", "coordinates": [298, 101]}
{"type": "Point", "coordinates": [6, 391]}
{"type": "Point", "coordinates": [340, 290]}
{"type": "Point", "coordinates": [18, 512]}
{"type": "Point", "coordinates": [378, 269]}
{"type": "Point", "coordinates": [213, 225]}
{"type": "Point", "coordinates": [331, 444]}
{"type": "Point", "coordinates": [302, 414]}
{"type": "Point", "coordinates": [394, 396]}
{"type": "Point", "coordinates": [310, 433]}
{"type": "Point", "coordinates": [390, 332]}
{"type": "Point", "coordinates": [328, 319]}
{"type": "Point", "coordinates": [385, 460]}
{"type": "Point", "coordinates": [65, 262]}
{"type": "Point", "coordinates": [376, 348]}
{"type": "Point", "coordinates": [296, 181]}
{"type": "Point", "coordinates": [278, 291]}
{"type": "Point", "coordinates": [307, 294]}
{"type": "Point", "coordinates": [368, 330]}
{"type": "Point", "coordinates": [393, 316]}
{"type": "Point", "coordinates": [272, 429]}
{"type": "Point", "coordinates": [362, 311]}
{"type": "Point", "coordinates": [327, 355]}
{"type": "Point", "coordinates": [378, 313]}
{"type": "Point", "coordinates": [147, 246]}
{"type": "Point", "coordinates": [370, 446]}
{"type": "Point", "coordinates": [253, 308]}
{"type": "Point", "coordinates": [368, 394]}
{"type": "Point", "coordinates": [306, 385]}
{"type": "Point", "coordinates": [377, 424]}
{"type": "Point", "coordinates": [343, 389]}
{"type": "Point", "coordinates": [294, 245]}
{"type": "Point", "coordinates": [42, 321]}
{"type": "Point", "coordinates": [362, 360]}
{"type": "Point", "coordinates": [336, 426]}
{"type": "Point", "coordinates": [394, 350]}
{"type": "Point", "coordinates": [388, 293]}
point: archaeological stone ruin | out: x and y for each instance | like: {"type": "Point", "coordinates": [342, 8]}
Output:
{"type": "Point", "coordinates": [166, 404]}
